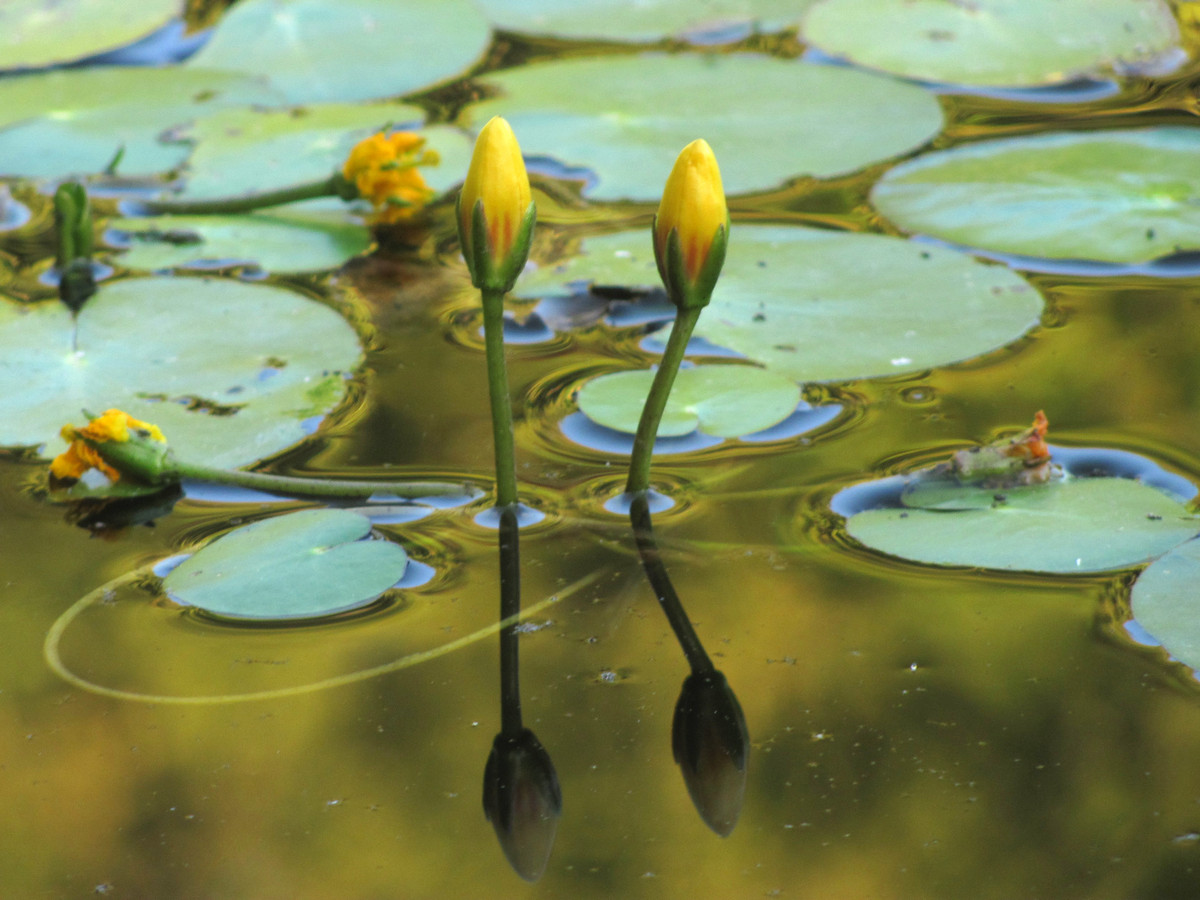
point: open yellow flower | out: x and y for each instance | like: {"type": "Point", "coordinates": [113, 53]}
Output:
{"type": "Point", "coordinates": [383, 169]}
{"type": "Point", "coordinates": [692, 226]}
{"type": "Point", "coordinates": [495, 209]}
{"type": "Point", "coordinates": [90, 447]}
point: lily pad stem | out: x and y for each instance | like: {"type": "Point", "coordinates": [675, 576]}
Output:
{"type": "Point", "coordinates": [502, 422]}
{"type": "Point", "coordinates": [656, 400]}
{"type": "Point", "coordinates": [333, 186]}
{"type": "Point", "coordinates": [319, 487]}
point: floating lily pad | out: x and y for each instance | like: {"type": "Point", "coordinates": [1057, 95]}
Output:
{"type": "Point", "coordinates": [301, 565]}
{"type": "Point", "coordinates": [724, 401]}
{"type": "Point", "coordinates": [298, 240]}
{"type": "Point", "coordinates": [246, 151]}
{"type": "Point", "coordinates": [45, 32]}
{"type": "Point", "coordinates": [768, 120]}
{"type": "Point", "coordinates": [824, 305]}
{"type": "Point", "coordinates": [321, 50]}
{"type": "Point", "coordinates": [1114, 196]}
{"type": "Point", "coordinates": [231, 371]}
{"type": "Point", "coordinates": [74, 121]}
{"type": "Point", "coordinates": [1077, 525]}
{"type": "Point", "coordinates": [995, 42]}
{"type": "Point", "coordinates": [1166, 602]}
{"type": "Point", "coordinates": [647, 20]}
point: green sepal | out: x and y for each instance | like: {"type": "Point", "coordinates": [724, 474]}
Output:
{"type": "Point", "coordinates": [683, 293]}
{"type": "Point", "coordinates": [73, 221]}
{"type": "Point", "coordinates": [140, 458]}
{"type": "Point", "coordinates": [488, 273]}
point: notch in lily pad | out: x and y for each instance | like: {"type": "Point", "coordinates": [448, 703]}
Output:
{"type": "Point", "coordinates": [302, 565]}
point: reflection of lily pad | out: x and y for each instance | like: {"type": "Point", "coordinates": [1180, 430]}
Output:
{"type": "Point", "coordinates": [646, 20]}
{"type": "Point", "coordinates": [624, 119]}
{"type": "Point", "coordinates": [44, 32]}
{"type": "Point", "coordinates": [824, 305]}
{"type": "Point", "coordinates": [321, 50]}
{"type": "Point", "coordinates": [725, 401]}
{"type": "Point", "coordinates": [279, 241]}
{"type": "Point", "coordinates": [300, 565]}
{"type": "Point", "coordinates": [232, 372]}
{"type": "Point", "coordinates": [245, 151]}
{"type": "Point", "coordinates": [74, 121]}
{"type": "Point", "coordinates": [994, 42]}
{"type": "Point", "coordinates": [1166, 601]}
{"type": "Point", "coordinates": [1116, 196]}
{"type": "Point", "coordinates": [1078, 525]}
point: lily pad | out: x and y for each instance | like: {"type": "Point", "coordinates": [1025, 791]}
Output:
{"type": "Point", "coordinates": [302, 565]}
{"type": "Point", "coordinates": [724, 401]}
{"type": "Point", "coordinates": [768, 120]}
{"type": "Point", "coordinates": [316, 51]}
{"type": "Point", "coordinates": [995, 42]}
{"type": "Point", "coordinates": [295, 240]}
{"type": "Point", "coordinates": [827, 306]}
{"type": "Point", "coordinates": [1166, 602]}
{"type": "Point", "coordinates": [1114, 196]}
{"type": "Point", "coordinates": [247, 151]}
{"type": "Point", "coordinates": [46, 32]}
{"type": "Point", "coordinates": [231, 371]}
{"type": "Point", "coordinates": [647, 20]}
{"type": "Point", "coordinates": [1077, 525]}
{"type": "Point", "coordinates": [74, 121]}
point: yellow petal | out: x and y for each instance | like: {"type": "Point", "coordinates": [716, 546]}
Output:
{"type": "Point", "coordinates": [497, 176]}
{"type": "Point", "coordinates": [693, 203]}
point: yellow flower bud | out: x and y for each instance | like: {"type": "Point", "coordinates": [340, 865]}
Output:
{"type": "Point", "coordinates": [496, 188]}
{"type": "Point", "coordinates": [693, 208]}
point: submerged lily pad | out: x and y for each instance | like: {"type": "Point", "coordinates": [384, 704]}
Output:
{"type": "Point", "coordinates": [823, 305]}
{"type": "Point", "coordinates": [1166, 601]}
{"type": "Point", "coordinates": [1077, 525]}
{"type": "Point", "coordinates": [768, 120]}
{"type": "Point", "coordinates": [247, 151]}
{"type": "Point", "coordinates": [646, 20]}
{"type": "Point", "coordinates": [232, 372]}
{"type": "Point", "coordinates": [45, 32]}
{"type": "Point", "coordinates": [995, 42]}
{"type": "Point", "coordinates": [315, 51]}
{"type": "Point", "coordinates": [724, 401]}
{"type": "Point", "coordinates": [291, 240]}
{"type": "Point", "coordinates": [75, 121]}
{"type": "Point", "coordinates": [301, 565]}
{"type": "Point", "coordinates": [1114, 196]}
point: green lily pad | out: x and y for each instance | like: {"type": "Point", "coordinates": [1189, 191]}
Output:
{"type": "Point", "coordinates": [1077, 525]}
{"type": "Point", "coordinates": [293, 240]}
{"type": "Point", "coordinates": [316, 51]}
{"type": "Point", "coordinates": [647, 20]}
{"type": "Point", "coordinates": [1166, 601]}
{"type": "Point", "coordinates": [248, 151]}
{"type": "Point", "coordinates": [46, 32]}
{"type": "Point", "coordinates": [827, 306]}
{"type": "Point", "coordinates": [1113, 196]}
{"type": "Point", "coordinates": [995, 42]}
{"type": "Point", "coordinates": [231, 371]}
{"type": "Point", "coordinates": [301, 565]}
{"type": "Point", "coordinates": [74, 121]}
{"type": "Point", "coordinates": [724, 401]}
{"type": "Point", "coordinates": [768, 120]}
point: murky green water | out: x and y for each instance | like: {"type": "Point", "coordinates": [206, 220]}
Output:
{"type": "Point", "coordinates": [915, 732]}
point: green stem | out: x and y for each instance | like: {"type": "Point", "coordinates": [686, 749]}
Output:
{"type": "Point", "coordinates": [502, 422]}
{"type": "Point", "coordinates": [319, 487]}
{"type": "Point", "coordinates": [656, 400]}
{"type": "Point", "coordinates": [510, 606]}
{"type": "Point", "coordinates": [333, 186]}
